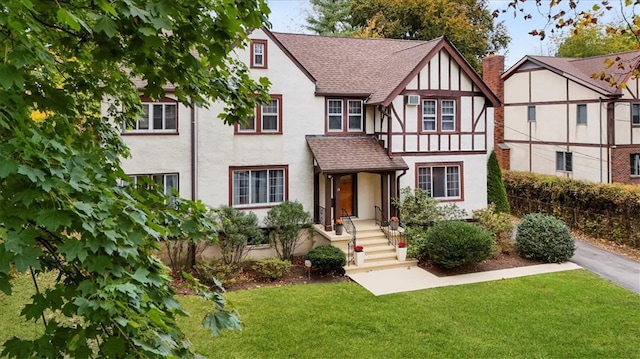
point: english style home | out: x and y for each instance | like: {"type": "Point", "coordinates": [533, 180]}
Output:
{"type": "Point", "coordinates": [350, 122]}
{"type": "Point", "coordinates": [558, 119]}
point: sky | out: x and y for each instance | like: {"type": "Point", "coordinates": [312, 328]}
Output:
{"type": "Point", "coordinates": [289, 16]}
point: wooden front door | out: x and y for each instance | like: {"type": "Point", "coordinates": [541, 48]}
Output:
{"type": "Point", "coordinates": [345, 194]}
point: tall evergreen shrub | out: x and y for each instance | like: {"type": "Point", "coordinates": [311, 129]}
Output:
{"type": "Point", "coordinates": [496, 193]}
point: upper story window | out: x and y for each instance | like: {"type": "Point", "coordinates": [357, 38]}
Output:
{"type": "Point", "coordinates": [267, 118]}
{"type": "Point", "coordinates": [581, 114]}
{"type": "Point", "coordinates": [531, 113]}
{"type": "Point", "coordinates": [345, 115]}
{"type": "Point", "coordinates": [260, 186]}
{"type": "Point", "coordinates": [635, 164]}
{"type": "Point", "coordinates": [156, 117]}
{"type": "Point", "coordinates": [635, 114]}
{"type": "Point", "coordinates": [167, 181]}
{"type": "Point", "coordinates": [438, 115]}
{"type": "Point", "coordinates": [440, 181]}
{"type": "Point", "coordinates": [564, 161]}
{"type": "Point", "coordinates": [259, 53]}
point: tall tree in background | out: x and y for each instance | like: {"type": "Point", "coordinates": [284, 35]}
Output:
{"type": "Point", "coordinates": [330, 17]}
{"type": "Point", "coordinates": [468, 24]}
{"type": "Point", "coordinates": [593, 41]}
{"type": "Point", "coordinates": [61, 206]}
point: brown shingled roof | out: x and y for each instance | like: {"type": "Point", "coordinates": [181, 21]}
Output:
{"type": "Point", "coordinates": [357, 66]}
{"type": "Point", "coordinates": [348, 154]}
{"type": "Point", "coordinates": [581, 69]}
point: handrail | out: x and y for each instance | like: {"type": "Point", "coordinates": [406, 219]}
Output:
{"type": "Point", "coordinates": [351, 229]}
{"type": "Point", "coordinates": [320, 218]}
{"type": "Point", "coordinates": [393, 235]}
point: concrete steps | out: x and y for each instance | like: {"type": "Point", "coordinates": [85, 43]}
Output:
{"type": "Point", "coordinates": [378, 253]}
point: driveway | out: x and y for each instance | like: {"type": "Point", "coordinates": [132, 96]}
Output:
{"type": "Point", "coordinates": [616, 268]}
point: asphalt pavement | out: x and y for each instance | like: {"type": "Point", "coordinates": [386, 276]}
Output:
{"type": "Point", "coordinates": [611, 266]}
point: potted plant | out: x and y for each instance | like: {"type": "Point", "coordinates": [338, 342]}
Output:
{"type": "Point", "coordinates": [359, 255]}
{"type": "Point", "coordinates": [401, 251]}
{"type": "Point", "coordinates": [339, 226]}
{"type": "Point", "coordinates": [393, 224]}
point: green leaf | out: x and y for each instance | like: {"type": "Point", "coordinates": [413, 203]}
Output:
{"type": "Point", "coordinates": [9, 76]}
{"type": "Point", "coordinates": [84, 207]}
{"type": "Point", "coordinates": [28, 258]}
{"type": "Point", "coordinates": [51, 219]}
{"type": "Point", "coordinates": [215, 322]}
{"type": "Point", "coordinates": [73, 249]}
{"type": "Point", "coordinates": [114, 347]}
{"type": "Point", "coordinates": [5, 284]}
{"type": "Point", "coordinates": [34, 174]}
{"type": "Point", "coordinates": [141, 275]}
{"type": "Point", "coordinates": [106, 25]}
{"type": "Point", "coordinates": [67, 18]}
{"type": "Point", "coordinates": [7, 166]}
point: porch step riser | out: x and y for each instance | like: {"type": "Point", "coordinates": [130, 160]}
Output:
{"type": "Point", "coordinates": [371, 266]}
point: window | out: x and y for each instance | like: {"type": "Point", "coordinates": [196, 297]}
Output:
{"type": "Point", "coordinates": [260, 186]}
{"type": "Point", "coordinates": [564, 161]}
{"type": "Point", "coordinates": [635, 164]}
{"type": "Point", "coordinates": [430, 115]}
{"type": "Point", "coordinates": [448, 115]}
{"type": "Point", "coordinates": [581, 114]}
{"type": "Point", "coordinates": [635, 114]}
{"type": "Point", "coordinates": [267, 119]}
{"type": "Point", "coordinates": [156, 117]}
{"type": "Point", "coordinates": [440, 181]}
{"type": "Point", "coordinates": [531, 113]}
{"type": "Point", "coordinates": [167, 181]}
{"type": "Point", "coordinates": [259, 53]}
{"type": "Point", "coordinates": [343, 114]}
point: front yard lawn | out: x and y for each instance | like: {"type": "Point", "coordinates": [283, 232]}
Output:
{"type": "Point", "coordinates": [560, 315]}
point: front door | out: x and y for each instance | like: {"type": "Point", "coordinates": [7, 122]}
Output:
{"type": "Point", "coordinates": [345, 194]}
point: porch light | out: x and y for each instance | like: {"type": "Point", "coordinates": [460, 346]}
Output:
{"type": "Point", "coordinates": [307, 265]}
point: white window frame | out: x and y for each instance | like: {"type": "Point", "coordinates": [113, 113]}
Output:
{"type": "Point", "coordinates": [265, 113]}
{"type": "Point", "coordinates": [579, 120]}
{"type": "Point", "coordinates": [564, 161]}
{"type": "Point", "coordinates": [261, 54]}
{"type": "Point", "coordinates": [634, 164]}
{"type": "Point", "coordinates": [359, 115]}
{"type": "Point", "coordinates": [335, 114]}
{"type": "Point", "coordinates": [451, 115]}
{"type": "Point", "coordinates": [451, 189]}
{"type": "Point", "coordinates": [165, 179]}
{"type": "Point", "coordinates": [148, 112]}
{"type": "Point", "coordinates": [272, 197]}
{"type": "Point", "coordinates": [430, 118]}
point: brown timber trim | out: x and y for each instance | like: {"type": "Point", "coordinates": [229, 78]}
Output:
{"type": "Point", "coordinates": [440, 153]}
{"type": "Point", "coordinates": [555, 143]}
{"type": "Point", "coordinates": [445, 93]}
{"type": "Point", "coordinates": [265, 59]}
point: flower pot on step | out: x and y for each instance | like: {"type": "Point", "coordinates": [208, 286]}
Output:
{"type": "Point", "coordinates": [393, 225]}
{"type": "Point", "coordinates": [359, 258]}
{"type": "Point", "coordinates": [339, 229]}
{"type": "Point", "coordinates": [401, 253]}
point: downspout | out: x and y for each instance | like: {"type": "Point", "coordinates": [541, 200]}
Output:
{"type": "Point", "coordinates": [194, 171]}
{"type": "Point", "coordinates": [395, 209]}
{"type": "Point", "coordinates": [600, 119]}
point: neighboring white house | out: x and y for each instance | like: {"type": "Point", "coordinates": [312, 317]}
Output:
{"type": "Point", "coordinates": [559, 119]}
{"type": "Point", "coordinates": [349, 123]}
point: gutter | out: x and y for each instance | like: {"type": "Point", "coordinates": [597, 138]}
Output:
{"type": "Point", "coordinates": [404, 172]}
{"type": "Point", "coordinates": [194, 171]}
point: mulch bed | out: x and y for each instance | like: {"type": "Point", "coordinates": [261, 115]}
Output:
{"type": "Point", "coordinates": [497, 261]}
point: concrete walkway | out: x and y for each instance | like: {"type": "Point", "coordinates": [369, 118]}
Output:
{"type": "Point", "coordinates": [398, 280]}
{"type": "Point", "coordinates": [611, 266]}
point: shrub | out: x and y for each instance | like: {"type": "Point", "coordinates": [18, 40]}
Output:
{"type": "Point", "coordinates": [272, 268]}
{"type": "Point", "coordinates": [454, 243]}
{"type": "Point", "coordinates": [496, 192]}
{"type": "Point", "coordinates": [285, 222]}
{"type": "Point", "coordinates": [499, 225]}
{"type": "Point", "coordinates": [417, 237]}
{"type": "Point", "coordinates": [225, 273]}
{"type": "Point", "coordinates": [418, 209]}
{"type": "Point", "coordinates": [238, 229]}
{"type": "Point", "coordinates": [544, 238]}
{"type": "Point", "coordinates": [327, 259]}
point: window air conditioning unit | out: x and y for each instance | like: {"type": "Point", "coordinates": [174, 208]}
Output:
{"type": "Point", "coordinates": [413, 100]}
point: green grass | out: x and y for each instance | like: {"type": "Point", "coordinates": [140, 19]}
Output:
{"type": "Point", "coordinates": [560, 315]}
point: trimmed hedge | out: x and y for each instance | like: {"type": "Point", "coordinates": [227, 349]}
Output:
{"type": "Point", "coordinates": [327, 259]}
{"type": "Point", "coordinates": [451, 244]}
{"type": "Point", "coordinates": [544, 238]}
{"type": "Point", "coordinates": [609, 211]}
{"type": "Point", "coordinates": [496, 193]}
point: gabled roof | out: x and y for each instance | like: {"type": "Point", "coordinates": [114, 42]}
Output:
{"type": "Point", "coordinates": [581, 69]}
{"type": "Point", "coordinates": [338, 154]}
{"type": "Point", "coordinates": [375, 68]}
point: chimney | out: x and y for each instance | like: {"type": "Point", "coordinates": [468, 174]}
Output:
{"type": "Point", "coordinates": [492, 69]}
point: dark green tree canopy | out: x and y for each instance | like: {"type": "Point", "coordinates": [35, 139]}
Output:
{"type": "Point", "coordinates": [62, 206]}
{"type": "Point", "coordinates": [330, 17]}
{"type": "Point", "coordinates": [593, 41]}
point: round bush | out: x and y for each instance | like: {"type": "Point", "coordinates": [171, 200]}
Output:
{"type": "Point", "coordinates": [327, 259]}
{"type": "Point", "coordinates": [454, 243]}
{"type": "Point", "coordinates": [544, 238]}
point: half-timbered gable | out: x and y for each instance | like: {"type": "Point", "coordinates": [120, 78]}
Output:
{"type": "Point", "coordinates": [559, 119]}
